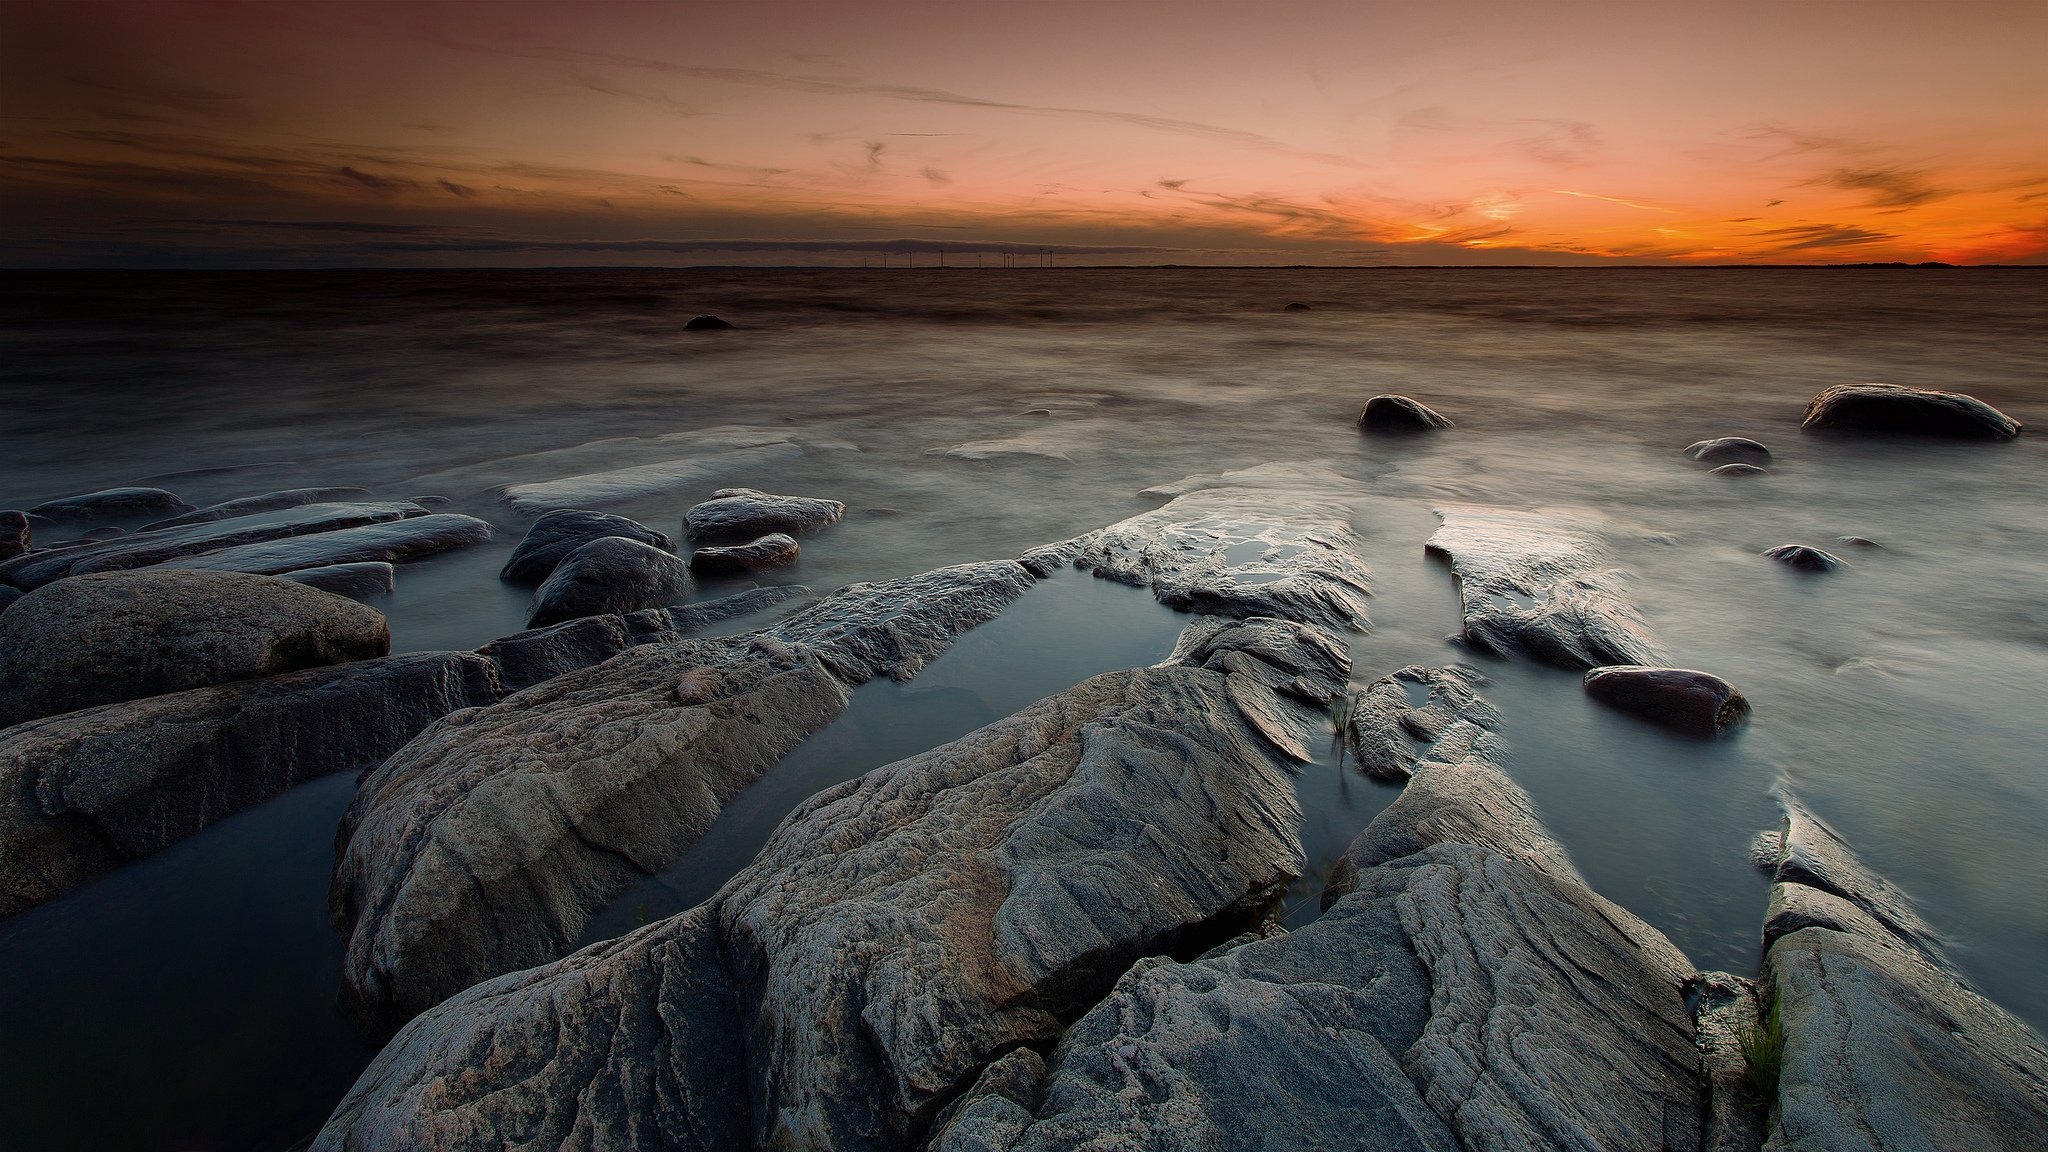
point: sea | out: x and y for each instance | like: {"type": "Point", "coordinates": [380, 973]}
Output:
{"type": "Point", "coordinates": [190, 1001]}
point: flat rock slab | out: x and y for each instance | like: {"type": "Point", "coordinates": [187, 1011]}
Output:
{"type": "Point", "coordinates": [94, 640]}
{"type": "Point", "coordinates": [1281, 547]}
{"type": "Point", "coordinates": [265, 502]}
{"type": "Point", "coordinates": [744, 514]}
{"type": "Point", "coordinates": [365, 581]}
{"type": "Point", "coordinates": [1534, 585]}
{"type": "Point", "coordinates": [611, 574]}
{"type": "Point", "coordinates": [158, 546]}
{"type": "Point", "coordinates": [771, 551]}
{"type": "Point", "coordinates": [898, 933]}
{"type": "Point", "coordinates": [392, 542]}
{"type": "Point", "coordinates": [112, 504]}
{"type": "Point", "coordinates": [644, 481]}
{"type": "Point", "coordinates": [1399, 414]}
{"type": "Point", "coordinates": [558, 533]}
{"type": "Point", "coordinates": [486, 844]}
{"type": "Point", "coordinates": [1698, 703]}
{"type": "Point", "coordinates": [1911, 411]}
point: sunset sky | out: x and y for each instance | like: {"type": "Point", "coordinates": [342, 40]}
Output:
{"type": "Point", "coordinates": [168, 134]}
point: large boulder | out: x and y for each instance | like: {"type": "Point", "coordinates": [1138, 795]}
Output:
{"type": "Point", "coordinates": [610, 574]}
{"type": "Point", "coordinates": [1534, 585]}
{"type": "Point", "coordinates": [158, 546]}
{"type": "Point", "coordinates": [898, 934]}
{"type": "Point", "coordinates": [1912, 411]}
{"type": "Point", "coordinates": [1399, 414]}
{"type": "Point", "coordinates": [14, 535]}
{"type": "Point", "coordinates": [490, 841]}
{"type": "Point", "coordinates": [112, 504]}
{"type": "Point", "coordinates": [94, 640]}
{"type": "Point", "coordinates": [558, 533]}
{"type": "Point", "coordinates": [744, 514]}
{"type": "Point", "coordinates": [770, 551]}
{"type": "Point", "coordinates": [1698, 703]}
{"type": "Point", "coordinates": [266, 502]}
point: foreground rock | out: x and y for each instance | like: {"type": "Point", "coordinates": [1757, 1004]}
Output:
{"type": "Point", "coordinates": [362, 581]}
{"type": "Point", "coordinates": [1913, 411]}
{"type": "Point", "coordinates": [744, 514]}
{"type": "Point", "coordinates": [1464, 990]}
{"type": "Point", "coordinates": [267, 502]}
{"type": "Point", "coordinates": [1884, 1047]}
{"type": "Point", "coordinates": [1698, 703]}
{"type": "Point", "coordinates": [99, 639]}
{"type": "Point", "coordinates": [14, 535]}
{"type": "Point", "coordinates": [158, 546]}
{"type": "Point", "coordinates": [489, 842]}
{"type": "Point", "coordinates": [1389, 731]}
{"type": "Point", "coordinates": [563, 531]}
{"type": "Point", "coordinates": [611, 574]}
{"type": "Point", "coordinates": [394, 542]}
{"type": "Point", "coordinates": [1730, 450]}
{"type": "Point", "coordinates": [1533, 585]}
{"type": "Point", "coordinates": [1271, 541]}
{"type": "Point", "coordinates": [1805, 559]}
{"type": "Point", "coordinates": [112, 504]}
{"type": "Point", "coordinates": [898, 934]}
{"type": "Point", "coordinates": [771, 551]}
{"type": "Point", "coordinates": [1399, 414]}
{"type": "Point", "coordinates": [85, 792]}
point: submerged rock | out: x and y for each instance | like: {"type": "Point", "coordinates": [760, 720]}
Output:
{"type": "Point", "coordinates": [14, 535]}
{"type": "Point", "coordinates": [362, 581]}
{"type": "Point", "coordinates": [1738, 470]}
{"type": "Point", "coordinates": [267, 502]}
{"type": "Point", "coordinates": [1399, 414]}
{"type": "Point", "coordinates": [770, 551]}
{"type": "Point", "coordinates": [608, 575]}
{"type": "Point", "coordinates": [112, 504]}
{"type": "Point", "coordinates": [706, 324]}
{"type": "Point", "coordinates": [1699, 703]}
{"type": "Point", "coordinates": [1805, 559]}
{"type": "Point", "coordinates": [1914, 411]}
{"type": "Point", "coordinates": [744, 514]}
{"type": "Point", "coordinates": [486, 844]}
{"type": "Point", "coordinates": [1296, 306]}
{"type": "Point", "coordinates": [163, 545]}
{"type": "Point", "coordinates": [98, 639]}
{"type": "Point", "coordinates": [1730, 450]}
{"type": "Point", "coordinates": [1858, 542]}
{"type": "Point", "coordinates": [1530, 584]}
{"type": "Point", "coordinates": [898, 934]}
{"type": "Point", "coordinates": [1388, 730]}
{"type": "Point", "coordinates": [558, 533]}
{"type": "Point", "coordinates": [393, 542]}
{"type": "Point", "coordinates": [645, 481]}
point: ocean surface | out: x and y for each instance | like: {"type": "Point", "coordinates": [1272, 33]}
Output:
{"type": "Point", "coordinates": [189, 1002]}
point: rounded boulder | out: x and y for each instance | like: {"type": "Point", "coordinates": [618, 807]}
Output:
{"type": "Point", "coordinates": [610, 574]}
{"type": "Point", "coordinates": [745, 514]}
{"type": "Point", "coordinates": [770, 551]}
{"type": "Point", "coordinates": [563, 531]}
{"type": "Point", "coordinates": [114, 636]}
{"type": "Point", "coordinates": [1699, 703]}
{"type": "Point", "coordinates": [1399, 414]}
{"type": "Point", "coordinates": [1910, 411]}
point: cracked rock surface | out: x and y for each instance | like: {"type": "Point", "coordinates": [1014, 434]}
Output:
{"type": "Point", "coordinates": [1533, 585]}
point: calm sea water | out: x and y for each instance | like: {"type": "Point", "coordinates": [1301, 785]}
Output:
{"type": "Point", "coordinates": [189, 1002]}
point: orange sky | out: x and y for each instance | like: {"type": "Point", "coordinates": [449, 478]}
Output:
{"type": "Point", "coordinates": [753, 132]}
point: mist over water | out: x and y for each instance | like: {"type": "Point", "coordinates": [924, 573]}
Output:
{"type": "Point", "coordinates": [1901, 697]}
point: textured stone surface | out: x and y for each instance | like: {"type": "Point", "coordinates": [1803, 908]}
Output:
{"type": "Point", "coordinates": [85, 792]}
{"type": "Point", "coordinates": [487, 843]}
{"type": "Point", "coordinates": [527, 658]}
{"type": "Point", "coordinates": [266, 502]}
{"type": "Point", "coordinates": [744, 514]}
{"type": "Point", "coordinates": [1730, 450]}
{"type": "Point", "coordinates": [363, 581]}
{"type": "Point", "coordinates": [1400, 718]}
{"type": "Point", "coordinates": [1399, 414]}
{"type": "Point", "coordinates": [8, 595]}
{"type": "Point", "coordinates": [158, 546]}
{"type": "Point", "coordinates": [771, 551]}
{"type": "Point", "coordinates": [610, 574]}
{"type": "Point", "coordinates": [112, 504]}
{"type": "Point", "coordinates": [1805, 559]}
{"type": "Point", "coordinates": [393, 542]}
{"type": "Point", "coordinates": [1914, 411]}
{"type": "Point", "coordinates": [1272, 541]}
{"type": "Point", "coordinates": [558, 533]}
{"type": "Point", "coordinates": [94, 640]}
{"type": "Point", "coordinates": [1699, 703]}
{"type": "Point", "coordinates": [1533, 585]}
{"type": "Point", "coordinates": [898, 934]}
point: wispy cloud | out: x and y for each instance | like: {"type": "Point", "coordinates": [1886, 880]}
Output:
{"type": "Point", "coordinates": [1613, 200]}
{"type": "Point", "coordinates": [1889, 187]}
{"type": "Point", "coordinates": [1798, 237]}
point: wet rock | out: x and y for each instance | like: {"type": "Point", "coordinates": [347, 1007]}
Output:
{"type": "Point", "coordinates": [1275, 541]}
{"type": "Point", "coordinates": [610, 574]}
{"type": "Point", "coordinates": [112, 504]}
{"type": "Point", "coordinates": [14, 535]}
{"type": "Point", "coordinates": [1729, 450]}
{"type": "Point", "coordinates": [527, 658]}
{"type": "Point", "coordinates": [1805, 559]}
{"type": "Point", "coordinates": [98, 639]}
{"type": "Point", "coordinates": [392, 542]}
{"type": "Point", "coordinates": [487, 843]}
{"type": "Point", "coordinates": [645, 481]}
{"type": "Point", "coordinates": [744, 514]}
{"type": "Point", "coordinates": [898, 935]}
{"type": "Point", "coordinates": [706, 324]}
{"type": "Point", "coordinates": [355, 581]}
{"type": "Point", "coordinates": [144, 549]}
{"type": "Point", "coordinates": [85, 792]}
{"type": "Point", "coordinates": [1738, 470]}
{"type": "Point", "coordinates": [1912, 411]}
{"type": "Point", "coordinates": [1401, 719]}
{"type": "Point", "coordinates": [1399, 414]}
{"type": "Point", "coordinates": [770, 551]}
{"type": "Point", "coordinates": [1467, 991]}
{"type": "Point", "coordinates": [1805, 851]}
{"type": "Point", "coordinates": [1296, 306]}
{"type": "Point", "coordinates": [558, 533]}
{"type": "Point", "coordinates": [1532, 585]}
{"type": "Point", "coordinates": [1698, 703]}
{"type": "Point", "coordinates": [8, 595]}
{"type": "Point", "coordinates": [267, 502]}
{"type": "Point", "coordinates": [1885, 1048]}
